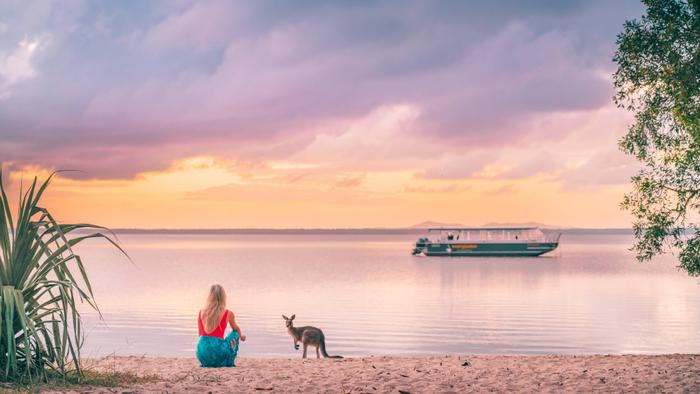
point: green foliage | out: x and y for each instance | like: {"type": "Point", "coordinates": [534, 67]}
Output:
{"type": "Point", "coordinates": [41, 282]}
{"type": "Point", "coordinates": [658, 79]}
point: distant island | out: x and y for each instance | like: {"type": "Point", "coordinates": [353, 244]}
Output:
{"type": "Point", "coordinates": [527, 224]}
{"type": "Point", "coordinates": [432, 224]}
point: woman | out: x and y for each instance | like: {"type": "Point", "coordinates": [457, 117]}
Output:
{"type": "Point", "coordinates": [213, 350]}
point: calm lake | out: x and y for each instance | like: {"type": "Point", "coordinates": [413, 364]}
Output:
{"type": "Point", "coordinates": [371, 297]}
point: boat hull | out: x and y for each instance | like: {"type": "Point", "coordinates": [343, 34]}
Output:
{"type": "Point", "coordinates": [484, 249]}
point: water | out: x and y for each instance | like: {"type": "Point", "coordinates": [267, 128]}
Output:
{"type": "Point", "coordinates": [371, 297]}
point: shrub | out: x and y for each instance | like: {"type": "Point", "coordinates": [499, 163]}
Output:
{"type": "Point", "coordinates": [41, 282]}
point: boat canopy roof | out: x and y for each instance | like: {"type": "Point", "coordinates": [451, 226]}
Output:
{"type": "Point", "coordinates": [482, 228]}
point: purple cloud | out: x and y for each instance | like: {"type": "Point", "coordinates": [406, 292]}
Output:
{"type": "Point", "coordinates": [119, 90]}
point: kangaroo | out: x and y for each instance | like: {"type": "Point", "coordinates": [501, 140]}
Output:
{"type": "Point", "coordinates": [308, 336]}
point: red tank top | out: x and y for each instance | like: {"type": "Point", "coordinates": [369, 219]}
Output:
{"type": "Point", "coordinates": [218, 331]}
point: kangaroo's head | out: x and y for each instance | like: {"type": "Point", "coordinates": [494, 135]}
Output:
{"type": "Point", "coordinates": [288, 320]}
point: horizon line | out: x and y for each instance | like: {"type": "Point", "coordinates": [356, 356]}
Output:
{"type": "Point", "coordinates": [408, 228]}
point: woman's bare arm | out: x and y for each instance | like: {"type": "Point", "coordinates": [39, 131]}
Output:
{"type": "Point", "coordinates": [234, 325]}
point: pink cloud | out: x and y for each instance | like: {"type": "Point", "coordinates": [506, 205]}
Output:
{"type": "Point", "coordinates": [265, 81]}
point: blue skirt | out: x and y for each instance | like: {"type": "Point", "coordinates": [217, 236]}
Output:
{"type": "Point", "coordinates": [213, 352]}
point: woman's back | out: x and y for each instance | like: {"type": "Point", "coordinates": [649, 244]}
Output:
{"type": "Point", "coordinates": [218, 331]}
{"type": "Point", "coordinates": [213, 349]}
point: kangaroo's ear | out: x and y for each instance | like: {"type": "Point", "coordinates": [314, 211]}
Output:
{"type": "Point", "coordinates": [285, 317]}
{"type": "Point", "coordinates": [292, 318]}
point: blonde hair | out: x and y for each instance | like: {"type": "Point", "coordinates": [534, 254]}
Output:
{"type": "Point", "coordinates": [214, 308]}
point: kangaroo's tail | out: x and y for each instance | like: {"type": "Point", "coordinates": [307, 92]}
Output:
{"type": "Point", "coordinates": [323, 348]}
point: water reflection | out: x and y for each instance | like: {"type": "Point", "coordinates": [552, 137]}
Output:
{"type": "Point", "coordinates": [370, 296]}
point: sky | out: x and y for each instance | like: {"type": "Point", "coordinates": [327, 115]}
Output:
{"type": "Point", "coordinates": [216, 114]}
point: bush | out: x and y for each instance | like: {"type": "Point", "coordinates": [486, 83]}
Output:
{"type": "Point", "coordinates": [41, 282]}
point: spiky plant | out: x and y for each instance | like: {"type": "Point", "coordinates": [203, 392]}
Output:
{"type": "Point", "coordinates": [41, 284]}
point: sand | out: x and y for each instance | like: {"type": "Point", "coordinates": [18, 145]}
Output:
{"type": "Point", "coordinates": [448, 374]}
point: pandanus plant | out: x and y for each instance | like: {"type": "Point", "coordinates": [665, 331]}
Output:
{"type": "Point", "coordinates": [42, 282]}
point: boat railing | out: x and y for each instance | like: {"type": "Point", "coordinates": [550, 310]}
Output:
{"type": "Point", "coordinates": [552, 237]}
{"type": "Point", "coordinates": [524, 235]}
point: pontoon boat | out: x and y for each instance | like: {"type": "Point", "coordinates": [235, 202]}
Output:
{"type": "Point", "coordinates": [506, 241]}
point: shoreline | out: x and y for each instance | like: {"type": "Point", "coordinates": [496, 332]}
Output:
{"type": "Point", "coordinates": [427, 374]}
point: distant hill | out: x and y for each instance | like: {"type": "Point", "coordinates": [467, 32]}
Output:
{"type": "Point", "coordinates": [429, 224]}
{"type": "Point", "coordinates": [523, 224]}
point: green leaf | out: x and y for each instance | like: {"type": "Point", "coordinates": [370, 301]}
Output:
{"type": "Point", "coordinates": [42, 280]}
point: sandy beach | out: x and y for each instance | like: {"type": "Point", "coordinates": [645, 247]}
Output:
{"type": "Point", "coordinates": [447, 374]}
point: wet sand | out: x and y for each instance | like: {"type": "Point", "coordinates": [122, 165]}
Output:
{"type": "Point", "coordinates": [447, 374]}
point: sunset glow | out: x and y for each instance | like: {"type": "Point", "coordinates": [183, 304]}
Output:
{"type": "Point", "coordinates": [222, 114]}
